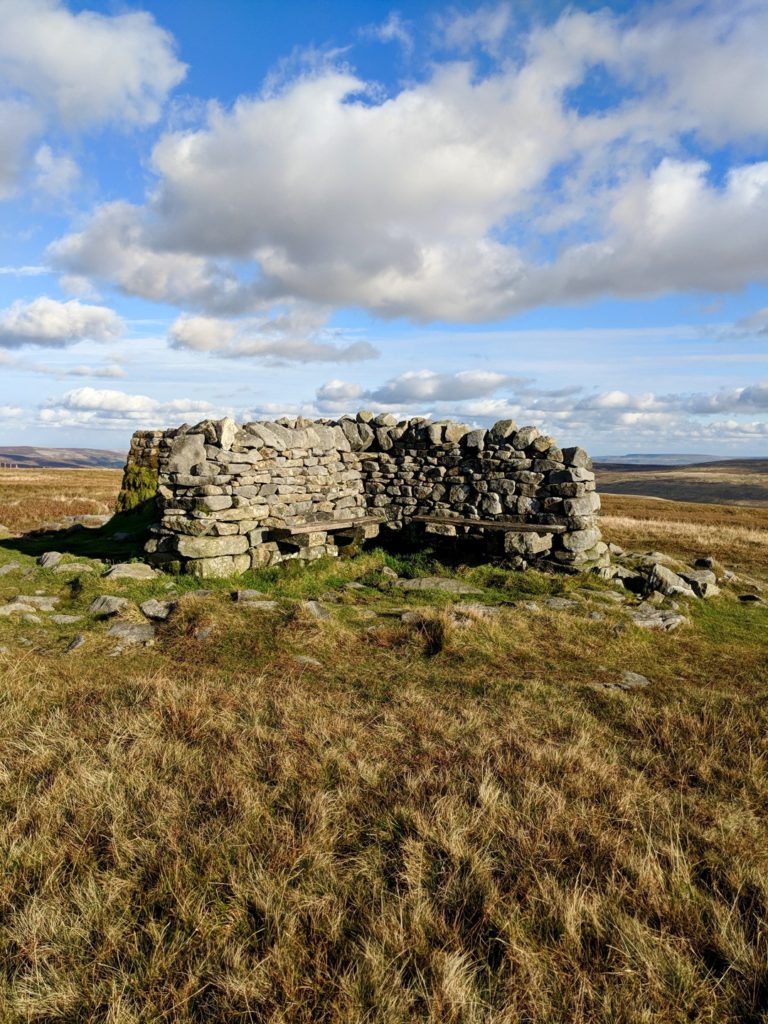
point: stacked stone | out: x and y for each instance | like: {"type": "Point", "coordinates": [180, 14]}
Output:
{"type": "Point", "coordinates": [228, 495]}
{"type": "Point", "coordinates": [140, 476]}
{"type": "Point", "coordinates": [222, 489]}
{"type": "Point", "coordinates": [416, 467]}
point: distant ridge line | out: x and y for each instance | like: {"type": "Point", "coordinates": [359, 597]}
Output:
{"type": "Point", "coordinates": [39, 457]}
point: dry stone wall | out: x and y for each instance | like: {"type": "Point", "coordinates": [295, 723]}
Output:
{"type": "Point", "coordinates": [232, 497]}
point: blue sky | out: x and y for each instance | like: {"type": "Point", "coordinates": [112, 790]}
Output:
{"type": "Point", "coordinates": [551, 213]}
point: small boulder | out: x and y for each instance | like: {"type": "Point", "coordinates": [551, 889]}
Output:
{"type": "Point", "coordinates": [40, 602]}
{"type": "Point", "coordinates": [133, 633]}
{"type": "Point", "coordinates": [106, 606]}
{"type": "Point", "coordinates": [315, 609]}
{"type": "Point", "coordinates": [657, 618]}
{"type": "Point", "coordinates": [72, 567]}
{"type": "Point", "coordinates": [49, 559]}
{"type": "Point", "coordinates": [667, 582]}
{"type": "Point", "coordinates": [65, 620]}
{"type": "Point", "coordinates": [130, 571]}
{"type": "Point", "coordinates": [157, 610]}
{"type": "Point", "coordinates": [74, 643]}
{"type": "Point", "coordinates": [560, 604]}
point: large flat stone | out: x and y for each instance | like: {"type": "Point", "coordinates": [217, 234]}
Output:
{"type": "Point", "coordinates": [448, 586]}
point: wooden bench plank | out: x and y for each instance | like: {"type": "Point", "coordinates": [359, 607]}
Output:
{"type": "Point", "coordinates": [492, 524]}
{"type": "Point", "coordinates": [325, 526]}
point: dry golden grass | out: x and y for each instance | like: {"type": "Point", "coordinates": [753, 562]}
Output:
{"type": "Point", "coordinates": [460, 830]}
{"type": "Point", "coordinates": [736, 536]}
{"type": "Point", "coordinates": [733, 482]}
{"type": "Point", "coordinates": [30, 498]}
{"type": "Point", "coordinates": [437, 823]}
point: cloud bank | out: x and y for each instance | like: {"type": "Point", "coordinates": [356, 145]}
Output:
{"type": "Point", "coordinates": [466, 196]}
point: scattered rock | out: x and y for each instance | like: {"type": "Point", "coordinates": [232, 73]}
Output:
{"type": "Point", "coordinates": [35, 620]}
{"type": "Point", "coordinates": [304, 659]}
{"type": "Point", "coordinates": [40, 602]}
{"type": "Point", "coordinates": [203, 633]}
{"type": "Point", "coordinates": [65, 620]}
{"type": "Point", "coordinates": [668, 582]}
{"type": "Point", "coordinates": [74, 643]}
{"type": "Point", "coordinates": [633, 680]}
{"type": "Point", "coordinates": [530, 606]}
{"type": "Point", "coordinates": [9, 567]}
{"type": "Point", "coordinates": [68, 567]}
{"type": "Point", "coordinates": [315, 609]}
{"type": "Point", "coordinates": [130, 571]}
{"type": "Point", "coordinates": [656, 618]}
{"type": "Point", "coordinates": [388, 573]}
{"type": "Point", "coordinates": [703, 582]}
{"type": "Point", "coordinates": [158, 610]}
{"type": "Point", "coordinates": [560, 604]}
{"type": "Point", "coordinates": [15, 608]}
{"type": "Point", "coordinates": [262, 606]}
{"type": "Point", "coordinates": [448, 586]}
{"type": "Point", "coordinates": [133, 633]}
{"type": "Point", "coordinates": [354, 585]}
{"type": "Point", "coordinates": [49, 559]}
{"type": "Point", "coordinates": [107, 605]}
{"type": "Point", "coordinates": [248, 595]}
{"type": "Point", "coordinates": [475, 610]}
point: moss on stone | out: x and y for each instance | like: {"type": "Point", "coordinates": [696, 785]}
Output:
{"type": "Point", "coordinates": [139, 485]}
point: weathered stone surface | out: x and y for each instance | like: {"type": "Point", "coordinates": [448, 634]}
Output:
{"type": "Point", "coordinates": [108, 605]}
{"type": "Point", "coordinates": [529, 545]}
{"type": "Point", "coordinates": [67, 568]}
{"type": "Point", "coordinates": [65, 620]}
{"type": "Point", "coordinates": [449, 586]}
{"type": "Point", "coordinates": [157, 610]}
{"type": "Point", "coordinates": [219, 567]}
{"type": "Point", "coordinates": [656, 618]}
{"type": "Point", "coordinates": [667, 582]}
{"type": "Point", "coordinates": [133, 633]}
{"type": "Point", "coordinates": [211, 547]}
{"type": "Point", "coordinates": [703, 582]}
{"type": "Point", "coordinates": [49, 559]}
{"type": "Point", "coordinates": [8, 568]}
{"type": "Point", "coordinates": [130, 571]}
{"type": "Point", "coordinates": [42, 602]}
{"type": "Point", "coordinates": [187, 451]}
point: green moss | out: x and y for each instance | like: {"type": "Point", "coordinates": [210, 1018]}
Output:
{"type": "Point", "coordinates": [139, 485]}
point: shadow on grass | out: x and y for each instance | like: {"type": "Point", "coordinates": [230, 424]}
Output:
{"type": "Point", "coordinates": [119, 540]}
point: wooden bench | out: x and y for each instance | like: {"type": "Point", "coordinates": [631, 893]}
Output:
{"type": "Point", "coordinates": [326, 526]}
{"type": "Point", "coordinates": [509, 526]}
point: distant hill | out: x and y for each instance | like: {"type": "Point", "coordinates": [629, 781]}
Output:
{"type": "Point", "coordinates": [659, 459]}
{"type": "Point", "coordinates": [61, 458]}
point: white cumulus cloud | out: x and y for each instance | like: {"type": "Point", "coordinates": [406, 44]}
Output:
{"type": "Point", "coordinates": [108, 409]}
{"type": "Point", "coordinates": [50, 323]}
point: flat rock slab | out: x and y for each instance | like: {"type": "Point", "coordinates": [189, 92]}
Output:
{"type": "Point", "coordinates": [474, 610]}
{"type": "Point", "coordinates": [15, 608]}
{"type": "Point", "coordinates": [65, 620]}
{"type": "Point", "coordinates": [41, 602]}
{"type": "Point", "coordinates": [108, 605]}
{"type": "Point", "coordinates": [67, 567]}
{"type": "Point", "coordinates": [656, 618]}
{"type": "Point", "coordinates": [628, 681]}
{"type": "Point", "coordinates": [133, 633]}
{"type": "Point", "coordinates": [158, 610]}
{"type": "Point", "coordinates": [130, 571]}
{"type": "Point", "coordinates": [262, 606]}
{"type": "Point", "coordinates": [9, 567]}
{"type": "Point", "coordinates": [437, 583]}
{"type": "Point", "coordinates": [560, 604]}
